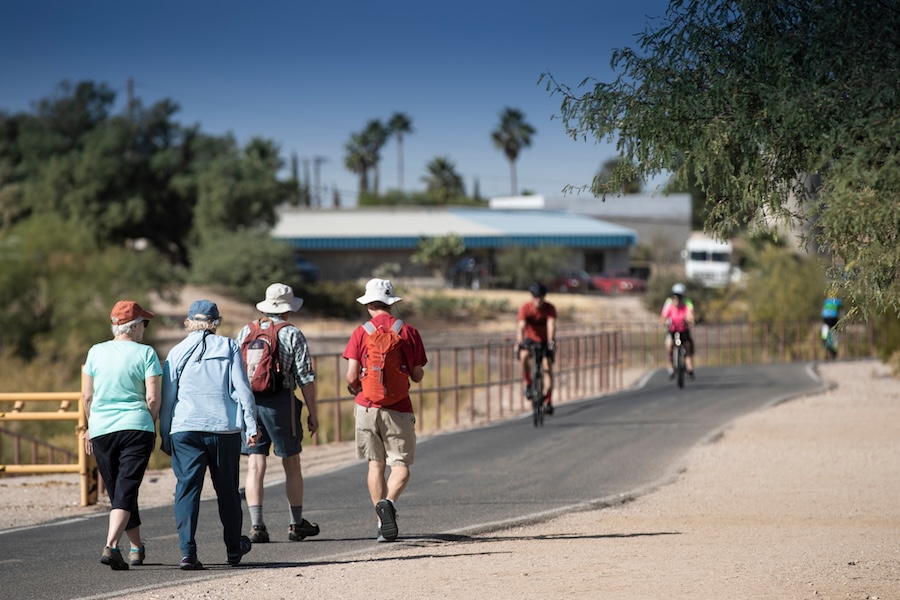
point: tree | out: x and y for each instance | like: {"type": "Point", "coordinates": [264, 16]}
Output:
{"type": "Point", "coordinates": [442, 182]}
{"type": "Point", "coordinates": [375, 135]}
{"type": "Point", "coordinates": [399, 125]}
{"type": "Point", "coordinates": [523, 266]}
{"type": "Point", "coordinates": [439, 252]}
{"type": "Point", "coordinates": [783, 112]}
{"type": "Point", "coordinates": [357, 159]}
{"type": "Point", "coordinates": [239, 190]}
{"type": "Point", "coordinates": [511, 135]}
{"type": "Point", "coordinates": [632, 184]}
{"type": "Point", "coordinates": [240, 264]}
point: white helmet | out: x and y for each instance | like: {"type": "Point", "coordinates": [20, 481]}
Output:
{"type": "Point", "coordinates": [678, 289]}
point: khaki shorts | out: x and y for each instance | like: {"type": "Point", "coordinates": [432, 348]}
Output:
{"type": "Point", "coordinates": [385, 435]}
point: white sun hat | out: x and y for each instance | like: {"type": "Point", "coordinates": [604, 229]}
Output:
{"type": "Point", "coordinates": [379, 290]}
{"type": "Point", "coordinates": [279, 299]}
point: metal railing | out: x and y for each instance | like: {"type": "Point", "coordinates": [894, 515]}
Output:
{"type": "Point", "coordinates": [86, 466]}
{"type": "Point", "coordinates": [474, 384]}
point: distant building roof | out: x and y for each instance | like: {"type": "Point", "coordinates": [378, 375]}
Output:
{"type": "Point", "coordinates": [402, 228]}
{"type": "Point", "coordinates": [651, 207]}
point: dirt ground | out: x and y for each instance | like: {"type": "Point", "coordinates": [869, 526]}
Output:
{"type": "Point", "coordinates": [798, 501]}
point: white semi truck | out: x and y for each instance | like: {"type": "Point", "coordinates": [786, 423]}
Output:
{"type": "Point", "coordinates": [709, 261]}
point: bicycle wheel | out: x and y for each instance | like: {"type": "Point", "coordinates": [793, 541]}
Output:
{"type": "Point", "coordinates": [537, 393]}
{"type": "Point", "coordinates": [678, 364]}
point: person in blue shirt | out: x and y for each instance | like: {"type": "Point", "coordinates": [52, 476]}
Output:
{"type": "Point", "coordinates": [120, 394]}
{"type": "Point", "coordinates": [206, 405]}
{"type": "Point", "coordinates": [831, 311]}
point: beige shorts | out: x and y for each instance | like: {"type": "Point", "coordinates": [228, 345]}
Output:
{"type": "Point", "coordinates": [385, 435]}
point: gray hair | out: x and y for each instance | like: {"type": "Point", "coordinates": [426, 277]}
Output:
{"type": "Point", "coordinates": [201, 325]}
{"type": "Point", "coordinates": [126, 328]}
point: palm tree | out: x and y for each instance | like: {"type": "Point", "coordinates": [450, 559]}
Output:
{"type": "Point", "coordinates": [358, 160]}
{"type": "Point", "coordinates": [375, 135]}
{"type": "Point", "coordinates": [443, 183]}
{"type": "Point", "coordinates": [511, 136]}
{"type": "Point", "coordinates": [399, 125]}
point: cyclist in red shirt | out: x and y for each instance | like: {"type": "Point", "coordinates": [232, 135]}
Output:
{"type": "Point", "coordinates": [537, 325]}
{"type": "Point", "coordinates": [678, 315]}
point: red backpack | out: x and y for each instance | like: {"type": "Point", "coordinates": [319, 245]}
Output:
{"type": "Point", "coordinates": [260, 352]}
{"type": "Point", "coordinates": [384, 376]}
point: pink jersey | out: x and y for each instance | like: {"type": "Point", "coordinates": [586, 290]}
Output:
{"type": "Point", "coordinates": [677, 316]}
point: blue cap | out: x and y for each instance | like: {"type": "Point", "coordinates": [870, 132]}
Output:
{"type": "Point", "coordinates": [203, 310]}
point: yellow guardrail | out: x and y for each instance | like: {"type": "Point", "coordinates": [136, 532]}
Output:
{"type": "Point", "coordinates": [86, 466]}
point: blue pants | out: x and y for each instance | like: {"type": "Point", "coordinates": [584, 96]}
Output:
{"type": "Point", "coordinates": [192, 453]}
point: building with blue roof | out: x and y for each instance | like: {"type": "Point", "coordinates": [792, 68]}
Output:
{"type": "Point", "coordinates": [349, 244]}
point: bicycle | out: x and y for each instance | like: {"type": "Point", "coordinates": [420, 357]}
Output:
{"type": "Point", "coordinates": [678, 358]}
{"type": "Point", "coordinates": [829, 342]}
{"type": "Point", "coordinates": [535, 390]}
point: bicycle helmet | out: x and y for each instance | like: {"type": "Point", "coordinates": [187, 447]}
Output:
{"type": "Point", "coordinates": [678, 289]}
{"type": "Point", "coordinates": [538, 289]}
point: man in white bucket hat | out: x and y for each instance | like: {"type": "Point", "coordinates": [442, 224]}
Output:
{"type": "Point", "coordinates": [379, 375]}
{"type": "Point", "coordinates": [278, 413]}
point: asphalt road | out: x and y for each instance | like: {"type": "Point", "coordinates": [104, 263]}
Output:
{"type": "Point", "coordinates": [589, 453]}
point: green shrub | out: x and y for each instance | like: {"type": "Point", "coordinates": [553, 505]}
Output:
{"type": "Point", "coordinates": [241, 264]}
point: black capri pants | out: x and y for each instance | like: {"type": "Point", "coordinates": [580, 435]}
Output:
{"type": "Point", "coordinates": [122, 458]}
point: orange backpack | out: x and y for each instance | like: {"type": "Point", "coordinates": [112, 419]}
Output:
{"type": "Point", "coordinates": [384, 377]}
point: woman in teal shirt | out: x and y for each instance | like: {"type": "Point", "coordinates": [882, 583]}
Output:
{"type": "Point", "coordinates": [120, 392]}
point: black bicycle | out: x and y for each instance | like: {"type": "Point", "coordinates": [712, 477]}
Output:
{"type": "Point", "coordinates": [535, 390]}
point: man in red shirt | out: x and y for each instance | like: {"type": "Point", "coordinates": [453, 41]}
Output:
{"type": "Point", "coordinates": [385, 435]}
{"type": "Point", "coordinates": [537, 325]}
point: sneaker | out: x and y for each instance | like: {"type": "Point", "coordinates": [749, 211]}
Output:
{"type": "Point", "coordinates": [380, 537]}
{"type": "Point", "coordinates": [112, 557]}
{"type": "Point", "coordinates": [259, 534]}
{"type": "Point", "coordinates": [246, 545]}
{"type": "Point", "coordinates": [388, 515]}
{"type": "Point", "coordinates": [190, 563]}
{"type": "Point", "coordinates": [671, 373]}
{"type": "Point", "coordinates": [136, 556]}
{"type": "Point", "coordinates": [528, 392]}
{"type": "Point", "coordinates": [691, 375]}
{"type": "Point", "coordinates": [548, 409]}
{"type": "Point", "coordinates": [304, 529]}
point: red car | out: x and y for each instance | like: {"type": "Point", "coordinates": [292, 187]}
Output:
{"type": "Point", "coordinates": [571, 281]}
{"type": "Point", "coordinates": [618, 283]}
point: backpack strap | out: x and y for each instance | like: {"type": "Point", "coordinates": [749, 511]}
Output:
{"type": "Point", "coordinates": [369, 326]}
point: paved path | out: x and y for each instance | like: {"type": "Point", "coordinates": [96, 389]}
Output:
{"type": "Point", "coordinates": [589, 452]}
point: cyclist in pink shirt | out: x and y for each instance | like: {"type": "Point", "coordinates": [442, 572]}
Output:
{"type": "Point", "coordinates": [678, 315]}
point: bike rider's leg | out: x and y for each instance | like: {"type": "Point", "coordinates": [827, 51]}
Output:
{"type": "Point", "coordinates": [547, 365]}
{"type": "Point", "coordinates": [669, 353]}
{"type": "Point", "coordinates": [525, 361]}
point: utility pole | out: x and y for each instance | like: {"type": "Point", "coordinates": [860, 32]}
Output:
{"type": "Point", "coordinates": [317, 162]}
{"type": "Point", "coordinates": [307, 200]}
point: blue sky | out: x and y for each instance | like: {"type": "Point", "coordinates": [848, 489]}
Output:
{"type": "Point", "coordinates": [308, 75]}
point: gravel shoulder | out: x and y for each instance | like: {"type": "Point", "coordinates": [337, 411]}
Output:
{"type": "Point", "coordinates": [796, 501]}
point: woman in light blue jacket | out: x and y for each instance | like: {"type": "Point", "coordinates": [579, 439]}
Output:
{"type": "Point", "coordinates": [206, 404]}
